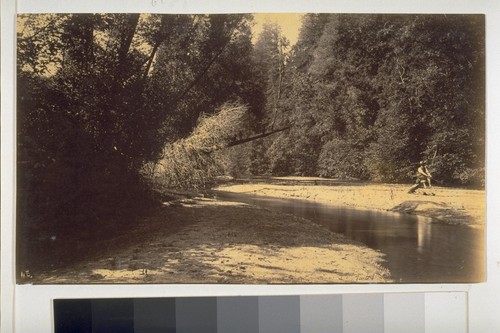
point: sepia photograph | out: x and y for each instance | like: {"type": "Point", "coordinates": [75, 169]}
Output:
{"type": "Point", "coordinates": [313, 148]}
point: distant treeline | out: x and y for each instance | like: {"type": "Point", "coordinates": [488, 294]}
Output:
{"type": "Point", "coordinates": [102, 96]}
{"type": "Point", "coordinates": [369, 96]}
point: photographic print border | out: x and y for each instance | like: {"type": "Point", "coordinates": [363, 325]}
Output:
{"type": "Point", "coordinates": [26, 305]}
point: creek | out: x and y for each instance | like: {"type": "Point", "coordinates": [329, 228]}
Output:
{"type": "Point", "coordinates": [417, 249]}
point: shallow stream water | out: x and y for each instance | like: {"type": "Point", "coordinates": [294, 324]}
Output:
{"type": "Point", "coordinates": [416, 249]}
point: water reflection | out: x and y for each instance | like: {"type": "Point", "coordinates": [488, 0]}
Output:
{"type": "Point", "coordinates": [416, 249]}
{"type": "Point", "coordinates": [424, 233]}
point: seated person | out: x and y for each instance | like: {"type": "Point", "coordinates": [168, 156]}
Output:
{"type": "Point", "coordinates": [423, 177]}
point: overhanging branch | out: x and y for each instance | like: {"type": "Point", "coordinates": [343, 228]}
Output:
{"type": "Point", "coordinates": [252, 138]}
{"type": "Point", "coordinates": [209, 150]}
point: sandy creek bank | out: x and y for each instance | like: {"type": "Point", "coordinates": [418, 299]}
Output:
{"type": "Point", "coordinates": [444, 205]}
{"type": "Point", "coordinates": [203, 240]}
{"type": "Point", "coordinates": [209, 241]}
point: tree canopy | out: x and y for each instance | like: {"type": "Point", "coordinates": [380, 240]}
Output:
{"type": "Point", "coordinates": [369, 96]}
{"type": "Point", "coordinates": [102, 97]}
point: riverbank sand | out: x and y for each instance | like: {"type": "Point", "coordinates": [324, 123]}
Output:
{"type": "Point", "coordinates": [209, 241]}
{"type": "Point", "coordinates": [444, 205]}
{"type": "Point", "coordinates": [213, 242]}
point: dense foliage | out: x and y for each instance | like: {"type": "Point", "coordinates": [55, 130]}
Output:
{"type": "Point", "coordinates": [370, 95]}
{"type": "Point", "coordinates": [110, 106]}
{"type": "Point", "coordinates": [102, 96]}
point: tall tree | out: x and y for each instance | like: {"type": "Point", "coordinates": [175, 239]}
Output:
{"type": "Point", "coordinates": [270, 56]}
{"type": "Point", "coordinates": [371, 95]}
{"type": "Point", "coordinates": [120, 86]}
{"type": "Point", "coordinates": [100, 95]}
{"type": "Point", "coordinates": [428, 107]}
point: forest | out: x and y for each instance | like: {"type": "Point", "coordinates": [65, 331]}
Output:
{"type": "Point", "coordinates": [114, 109]}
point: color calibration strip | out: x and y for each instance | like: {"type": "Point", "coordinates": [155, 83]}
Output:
{"type": "Point", "coordinates": [349, 313]}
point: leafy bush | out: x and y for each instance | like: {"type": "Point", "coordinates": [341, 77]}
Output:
{"type": "Point", "coordinates": [192, 162]}
{"type": "Point", "coordinates": [340, 158]}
